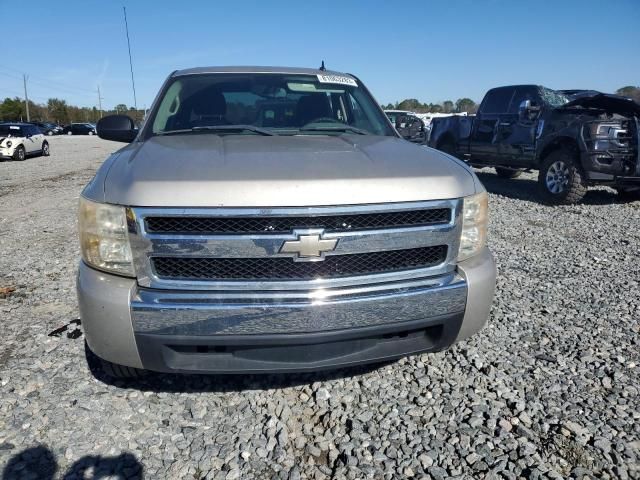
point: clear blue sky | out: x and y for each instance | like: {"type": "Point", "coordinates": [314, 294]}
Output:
{"type": "Point", "coordinates": [429, 50]}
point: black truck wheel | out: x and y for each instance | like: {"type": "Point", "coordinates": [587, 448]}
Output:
{"type": "Point", "coordinates": [448, 147]}
{"type": "Point", "coordinates": [627, 194]}
{"type": "Point", "coordinates": [504, 172]}
{"type": "Point", "coordinates": [560, 180]}
{"type": "Point", "coordinates": [112, 370]}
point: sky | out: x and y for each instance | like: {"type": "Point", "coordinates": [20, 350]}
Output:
{"type": "Point", "coordinates": [429, 50]}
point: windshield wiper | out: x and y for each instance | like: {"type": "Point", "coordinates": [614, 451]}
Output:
{"type": "Point", "coordinates": [338, 128]}
{"type": "Point", "coordinates": [220, 128]}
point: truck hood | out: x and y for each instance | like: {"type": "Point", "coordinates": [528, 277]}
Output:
{"type": "Point", "coordinates": [207, 170]}
{"type": "Point", "coordinates": [605, 101]}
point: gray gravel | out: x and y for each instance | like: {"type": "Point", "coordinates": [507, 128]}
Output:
{"type": "Point", "coordinates": [548, 390]}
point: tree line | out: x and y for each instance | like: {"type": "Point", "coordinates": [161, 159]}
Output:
{"type": "Point", "coordinates": [448, 106]}
{"type": "Point", "coordinates": [59, 111]}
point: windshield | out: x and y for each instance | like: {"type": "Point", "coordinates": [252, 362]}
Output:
{"type": "Point", "coordinates": [10, 131]}
{"type": "Point", "coordinates": [283, 104]}
{"type": "Point", "coordinates": [553, 98]}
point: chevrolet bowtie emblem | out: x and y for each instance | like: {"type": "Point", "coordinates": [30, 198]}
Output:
{"type": "Point", "coordinates": [309, 246]}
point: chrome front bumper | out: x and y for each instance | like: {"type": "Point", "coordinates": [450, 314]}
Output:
{"type": "Point", "coordinates": [197, 313]}
{"type": "Point", "coordinates": [195, 331]}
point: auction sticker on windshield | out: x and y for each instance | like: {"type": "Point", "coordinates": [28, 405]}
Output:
{"type": "Point", "coordinates": [339, 79]}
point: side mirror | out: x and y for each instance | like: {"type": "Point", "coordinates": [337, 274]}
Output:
{"type": "Point", "coordinates": [524, 107]}
{"type": "Point", "coordinates": [119, 128]}
{"type": "Point", "coordinates": [527, 110]}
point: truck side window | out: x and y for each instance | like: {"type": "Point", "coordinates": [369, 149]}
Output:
{"type": "Point", "coordinates": [522, 94]}
{"type": "Point", "coordinates": [497, 100]}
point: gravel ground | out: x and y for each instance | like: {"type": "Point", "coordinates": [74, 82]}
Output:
{"type": "Point", "coordinates": [549, 389]}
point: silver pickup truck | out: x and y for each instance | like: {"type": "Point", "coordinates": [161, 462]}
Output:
{"type": "Point", "coordinates": [272, 219]}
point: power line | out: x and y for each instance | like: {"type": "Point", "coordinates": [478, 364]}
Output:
{"type": "Point", "coordinates": [49, 82]}
{"type": "Point", "coordinates": [10, 75]}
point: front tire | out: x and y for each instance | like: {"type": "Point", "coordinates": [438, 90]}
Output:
{"type": "Point", "coordinates": [69, 132]}
{"type": "Point", "coordinates": [448, 147]}
{"type": "Point", "coordinates": [628, 195]}
{"type": "Point", "coordinates": [504, 172]}
{"type": "Point", "coordinates": [45, 149]}
{"type": "Point", "coordinates": [560, 180]}
{"type": "Point", "coordinates": [20, 154]}
{"type": "Point", "coordinates": [114, 370]}
{"type": "Point", "coordinates": [111, 370]}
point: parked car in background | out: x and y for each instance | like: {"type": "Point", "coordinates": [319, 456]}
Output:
{"type": "Point", "coordinates": [271, 220]}
{"type": "Point", "coordinates": [588, 138]}
{"type": "Point", "coordinates": [20, 140]}
{"type": "Point", "coordinates": [79, 129]}
{"type": "Point", "coordinates": [48, 128]}
{"type": "Point", "coordinates": [408, 125]}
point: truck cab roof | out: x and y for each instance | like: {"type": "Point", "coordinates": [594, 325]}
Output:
{"type": "Point", "coordinates": [258, 69]}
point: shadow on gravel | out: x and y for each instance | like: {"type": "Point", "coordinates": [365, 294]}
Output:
{"type": "Point", "coordinates": [40, 463]}
{"type": "Point", "coordinates": [526, 189]}
{"type": "Point", "coordinates": [173, 383]}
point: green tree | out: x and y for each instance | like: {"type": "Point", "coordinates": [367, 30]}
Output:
{"type": "Point", "coordinates": [410, 104]}
{"type": "Point", "coordinates": [12, 109]}
{"type": "Point", "coordinates": [435, 108]}
{"type": "Point", "coordinates": [630, 91]}
{"type": "Point", "coordinates": [58, 110]}
{"type": "Point", "coordinates": [447, 106]}
{"type": "Point", "coordinates": [121, 108]}
{"type": "Point", "coordinates": [466, 105]}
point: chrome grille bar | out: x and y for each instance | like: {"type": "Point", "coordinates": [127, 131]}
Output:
{"type": "Point", "coordinates": [146, 245]}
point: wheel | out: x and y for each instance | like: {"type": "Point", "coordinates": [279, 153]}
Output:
{"type": "Point", "coordinates": [69, 132]}
{"type": "Point", "coordinates": [90, 133]}
{"type": "Point", "coordinates": [45, 149]}
{"type": "Point", "coordinates": [448, 147]}
{"type": "Point", "coordinates": [113, 370]}
{"type": "Point", "coordinates": [560, 180]}
{"type": "Point", "coordinates": [628, 195]}
{"type": "Point", "coordinates": [504, 172]}
{"type": "Point", "coordinates": [49, 132]}
{"type": "Point", "coordinates": [20, 154]}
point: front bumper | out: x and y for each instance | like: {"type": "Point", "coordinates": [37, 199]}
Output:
{"type": "Point", "coordinates": [264, 332]}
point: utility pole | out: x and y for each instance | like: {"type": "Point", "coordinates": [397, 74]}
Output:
{"type": "Point", "coordinates": [133, 84]}
{"type": "Point", "coordinates": [99, 102]}
{"type": "Point", "coordinates": [26, 97]}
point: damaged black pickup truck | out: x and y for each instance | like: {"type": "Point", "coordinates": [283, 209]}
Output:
{"type": "Point", "coordinates": [589, 138]}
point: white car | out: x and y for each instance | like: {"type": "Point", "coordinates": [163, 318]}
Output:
{"type": "Point", "coordinates": [18, 140]}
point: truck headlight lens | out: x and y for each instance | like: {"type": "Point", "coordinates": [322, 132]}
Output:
{"type": "Point", "coordinates": [104, 241]}
{"type": "Point", "coordinates": [475, 215]}
{"type": "Point", "coordinates": [606, 136]}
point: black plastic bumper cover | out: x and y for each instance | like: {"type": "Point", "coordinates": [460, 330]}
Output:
{"type": "Point", "coordinates": [296, 352]}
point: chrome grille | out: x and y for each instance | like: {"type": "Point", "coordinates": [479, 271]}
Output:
{"type": "Point", "coordinates": [194, 225]}
{"type": "Point", "coordinates": [240, 249]}
{"type": "Point", "coordinates": [281, 268]}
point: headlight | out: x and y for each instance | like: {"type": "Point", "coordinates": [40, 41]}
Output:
{"type": "Point", "coordinates": [8, 144]}
{"type": "Point", "coordinates": [104, 241]}
{"type": "Point", "coordinates": [475, 215]}
{"type": "Point", "coordinates": [605, 136]}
